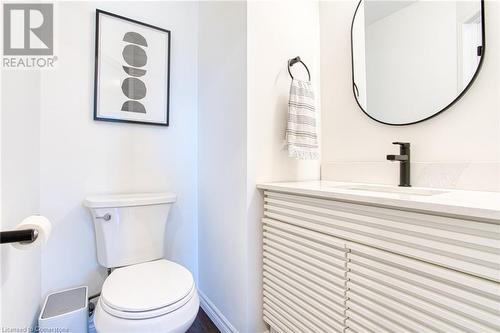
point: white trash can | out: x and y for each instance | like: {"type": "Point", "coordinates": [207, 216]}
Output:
{"type": "Point", "coordinates": [65, 311]}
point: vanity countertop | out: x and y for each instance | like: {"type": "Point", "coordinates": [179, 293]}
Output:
{"type": "Point", "coordinates": [460, 203]}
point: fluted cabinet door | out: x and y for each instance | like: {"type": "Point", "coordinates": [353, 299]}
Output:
{"type": "Point", "coordinates": [388, 292]}
{"type": "Point", "coordinates": [304, 279]}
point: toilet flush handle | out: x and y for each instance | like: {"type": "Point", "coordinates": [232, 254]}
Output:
{"type": "Point", "coordinates": [106, 217]}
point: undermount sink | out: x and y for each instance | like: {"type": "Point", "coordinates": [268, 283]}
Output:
{"type": "Point", "coordinates": [390, 189]}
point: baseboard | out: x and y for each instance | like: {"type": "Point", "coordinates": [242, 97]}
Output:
{"type": "Point", "coordinates": [215, 315]}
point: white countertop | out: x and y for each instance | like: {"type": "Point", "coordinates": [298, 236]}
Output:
{"type": "Point", "coordinates": [468, 204]}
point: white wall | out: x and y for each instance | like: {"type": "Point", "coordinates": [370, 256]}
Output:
{"type": "Point", "coordinates": [20, 151]}
{"type": "Point", "coordinates": [278, 31]}
{"type": "Point", "coordinates": [222, 159]}
{"type": "Point", "coordinates": [243, 95]}
{"type": "Point", "coordinates": [80, 156]}
{"type": "Point", "coordinates": [460, 148]}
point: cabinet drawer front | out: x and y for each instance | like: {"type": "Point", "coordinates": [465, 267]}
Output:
{"type": "Point", "coordinates": [393, 293]}
{"type": "Point", "coordinates": [465, 245]}
{"type": "Point", "coordinates": [304, 279]}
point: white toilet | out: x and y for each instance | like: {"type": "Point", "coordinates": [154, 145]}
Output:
{"type": "Point", "coordinates": [144, 293]}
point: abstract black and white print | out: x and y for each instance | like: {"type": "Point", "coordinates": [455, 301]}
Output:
{"type": "Point", "coordinates": [136, 58]}
{"type": "Point", "coordinates": [132, 71]}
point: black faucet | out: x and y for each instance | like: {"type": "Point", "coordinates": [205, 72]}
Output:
{"type": "Point", "coordinates": [404, 162]}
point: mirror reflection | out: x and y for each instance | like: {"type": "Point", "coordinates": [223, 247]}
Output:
{"type": "Point", "coordinates": [413, 59]}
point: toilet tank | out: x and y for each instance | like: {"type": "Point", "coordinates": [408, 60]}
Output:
{"type": "Point", "coordinates": [129, 228]}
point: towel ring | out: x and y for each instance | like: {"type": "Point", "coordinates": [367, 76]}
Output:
{"type": "Point", "coordinates": [292, 62]}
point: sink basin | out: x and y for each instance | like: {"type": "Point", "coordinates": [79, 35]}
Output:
{"type": "Point", "coordinates": [390, 189]}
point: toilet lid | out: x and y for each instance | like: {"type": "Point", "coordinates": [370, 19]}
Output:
{"type": "Point", "coordinates": [147, 286]}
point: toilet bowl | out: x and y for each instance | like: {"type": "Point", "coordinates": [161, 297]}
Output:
{"type": "Point", "coordinates": [156, 296]}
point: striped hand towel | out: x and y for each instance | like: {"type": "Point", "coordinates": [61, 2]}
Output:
{"type": "Point", "coordinates": [301, 134]}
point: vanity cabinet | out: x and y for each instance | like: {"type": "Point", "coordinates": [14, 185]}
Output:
{"type": "Point", "coordinates": [333, 266]}
{"type": "Point", "coordinates": [304, 279]}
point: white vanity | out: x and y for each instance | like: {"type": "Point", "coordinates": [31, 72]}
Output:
{"type": "Point", "coordinates": [344, 257]}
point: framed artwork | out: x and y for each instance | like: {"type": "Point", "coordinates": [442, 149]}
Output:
{"type": "Point", "coordinates": [132, 71]}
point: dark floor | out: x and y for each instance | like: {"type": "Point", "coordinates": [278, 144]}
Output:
{"type": "Point", "coordinates": [202, 324]}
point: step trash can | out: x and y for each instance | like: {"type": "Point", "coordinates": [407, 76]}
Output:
{"type": "Point", "coordinates": [65, 311]}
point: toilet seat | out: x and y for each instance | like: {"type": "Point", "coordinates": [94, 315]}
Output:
{"type": "Point", "coordinates": [177, 321]}
{"type": "Point", "coordinates": [149, 313]}
{"type": "Point", "coordinates": [147, 290]}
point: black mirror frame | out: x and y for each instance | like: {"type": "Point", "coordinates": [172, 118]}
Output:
{"type": "Point", "coordinates": [483, 52]}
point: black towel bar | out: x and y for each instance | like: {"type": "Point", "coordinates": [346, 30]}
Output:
{"type": "Point", "coordinates": [295, 60]}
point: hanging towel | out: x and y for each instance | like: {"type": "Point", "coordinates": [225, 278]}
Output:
{"type": "Point", "coordinates": [301, 132]}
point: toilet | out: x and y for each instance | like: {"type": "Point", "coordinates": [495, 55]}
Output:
{"type": "Point", "coordinates": [144, 292]}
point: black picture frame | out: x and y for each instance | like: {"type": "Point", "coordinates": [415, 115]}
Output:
{"type": "Point", "coordinates": [98, 14]}
{"type": "Point", "coordinates": [464, 91]}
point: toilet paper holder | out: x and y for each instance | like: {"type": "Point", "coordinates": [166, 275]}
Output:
{"type": "Point", "coordinates": [24, 236]}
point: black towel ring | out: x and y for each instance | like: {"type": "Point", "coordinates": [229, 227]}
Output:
{"type": "Point", "coordinates": [292, 62]}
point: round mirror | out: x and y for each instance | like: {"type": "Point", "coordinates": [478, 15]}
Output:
{"type": "Point", "coordinates": [413, 59]}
